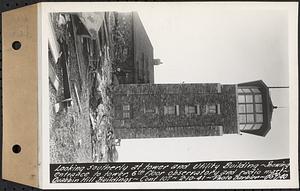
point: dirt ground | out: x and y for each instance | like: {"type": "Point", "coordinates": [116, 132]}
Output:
{"type": "Point", "coordinates": [70, 133]}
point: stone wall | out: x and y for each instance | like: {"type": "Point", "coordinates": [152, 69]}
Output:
{"type": "Point", "coordinates": [147, 109]}
{"type": "Point", "coordinates": [156, 132]}
{"type": "Point", "coordinates": [132, 49]}
{"type": "Point", "coordinates": [122, 46]}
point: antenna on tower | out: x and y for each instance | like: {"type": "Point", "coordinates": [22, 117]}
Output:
{"type": "Point", "coordinates": [278, 87]}
{"type": "Point", "coordinates": [276, 107]}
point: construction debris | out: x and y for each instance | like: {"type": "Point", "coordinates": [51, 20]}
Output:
{"type": "Point", "coordinates": [63, 61]}
{"type": "Point", "coordinates": [53, 77]}
{"type": "Point", "coordinates": [56, 107]}
{"type": "Point", "coordinates": [77, 98]}
{"type": "Point", "coordinates": [85, 71]}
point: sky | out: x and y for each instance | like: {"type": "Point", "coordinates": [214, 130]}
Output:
{"type": "Point", "coordinates": [218, 44]}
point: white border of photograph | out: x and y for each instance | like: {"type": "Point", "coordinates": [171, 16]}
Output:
{"type": "Point", "coordinates": [46, 8]}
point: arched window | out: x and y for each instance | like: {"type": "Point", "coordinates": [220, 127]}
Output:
{"type": "Point", "coordinates": [250, 108]}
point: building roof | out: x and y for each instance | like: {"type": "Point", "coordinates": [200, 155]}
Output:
{"type": "Point", "coordinates": [267, 107]}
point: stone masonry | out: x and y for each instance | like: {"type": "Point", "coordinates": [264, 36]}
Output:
{"type": "Point", "coordinates": [174, 110]}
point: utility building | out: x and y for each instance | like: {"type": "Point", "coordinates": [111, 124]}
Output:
{"type": "Point", "coordinates": [188, 110]}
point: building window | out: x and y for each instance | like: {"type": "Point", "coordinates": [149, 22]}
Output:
{"type": "Point", "coordinates": [126, 111]}
{"type": "Point", "coordinates": [171, 110]}
{"type": "Point", "coordinates": [250, 126]}
{"type": "Point", "coordinates": [213, 109]}
{"type": "Point", "coordinates": [151, 109]}
{"type": "Point", "coordinates": [256, 126]}
{"type": "Point", "coordinates": [250, 108]}
{"type": "Point", "coordinates": [258, 98]}
{"type": "Point", "coordinates": [190, 109]}
{"type": "Point", "coordinates": [258, 108]}
{"type": "Point", "coordinates": [219, 88]}
{"type": "Point", "coordinates": [194, 109]}
{"type": "Point", "coordinates": [259, 118]}
{"type": "Point", "coordinates": [250, 118]}
{"type": "Point", "coordinates": [126, 107]}
{"type": "Point", "coordinates": [126, 115]}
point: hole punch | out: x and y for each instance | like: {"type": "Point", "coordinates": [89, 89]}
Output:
{"type": "Point", "coordinates": [16, 45]}
{"type": "Point", "coordinates": [16, 149]}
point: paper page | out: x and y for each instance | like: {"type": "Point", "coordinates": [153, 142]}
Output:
{"type": "Point", "coordinates": [169, 95]}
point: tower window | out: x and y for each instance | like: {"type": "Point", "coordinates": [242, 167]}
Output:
{"type": "Point", "coordinates": [256, 126]}
{"type": "Point", "coordinates": [258, 108]}
{"type": "Point", "coordinates": [255, 90]}
{"type": "Point", "coordinates": [171, 110]}
{"type": "Point", "coordinates": [213, 109]}
{"type": "Point", "coordinates": [242, 108]}
{"type": "Point", "coordinates": [242, 99]}
{"type": "Point", "coordinates": [190, 109]}
{"type": "Point", "coordinates": [126, 107]}
{"type": "Point", "coordinates": [193, 109]}
{"type": "Point", "coordinates": [242, 118]}
{"type": "Point", "coordinates": [250, 108]}
{"type": "Point", "coordinates": [248, 126]}
{"type": "Point", "coordinates": [258, 98]}
{"type": "Point", "coordinates": [219, 88]}
{"type": "Point", "coordinates": [249, 99]}
{"type": "Point", "coordinates": [259, 118]}
{"type": "Point", "coordinates": [126, 111]}
{"type": "Point", "coordinates": [151, 109]}
{"type": "Point", "coordinates": [126, 115]}
{"type": "Point", "coordinates": [250, 118]}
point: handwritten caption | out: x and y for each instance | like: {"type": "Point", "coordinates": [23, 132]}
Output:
{"type": "Point", "coordinates": [162, 172]}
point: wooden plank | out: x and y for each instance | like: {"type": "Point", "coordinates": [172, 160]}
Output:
{"type": "Point", "coordinates": [53, 77]}
{"type": "Point", "coordinates": [76, 40]}
{"type": "Point", "coordinates": [77, 98]}
{"type": "Point", "coordinates": [66, 82]}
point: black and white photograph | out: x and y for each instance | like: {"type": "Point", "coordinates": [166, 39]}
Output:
{"type": "Point", "coordinates": [170, 83]}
